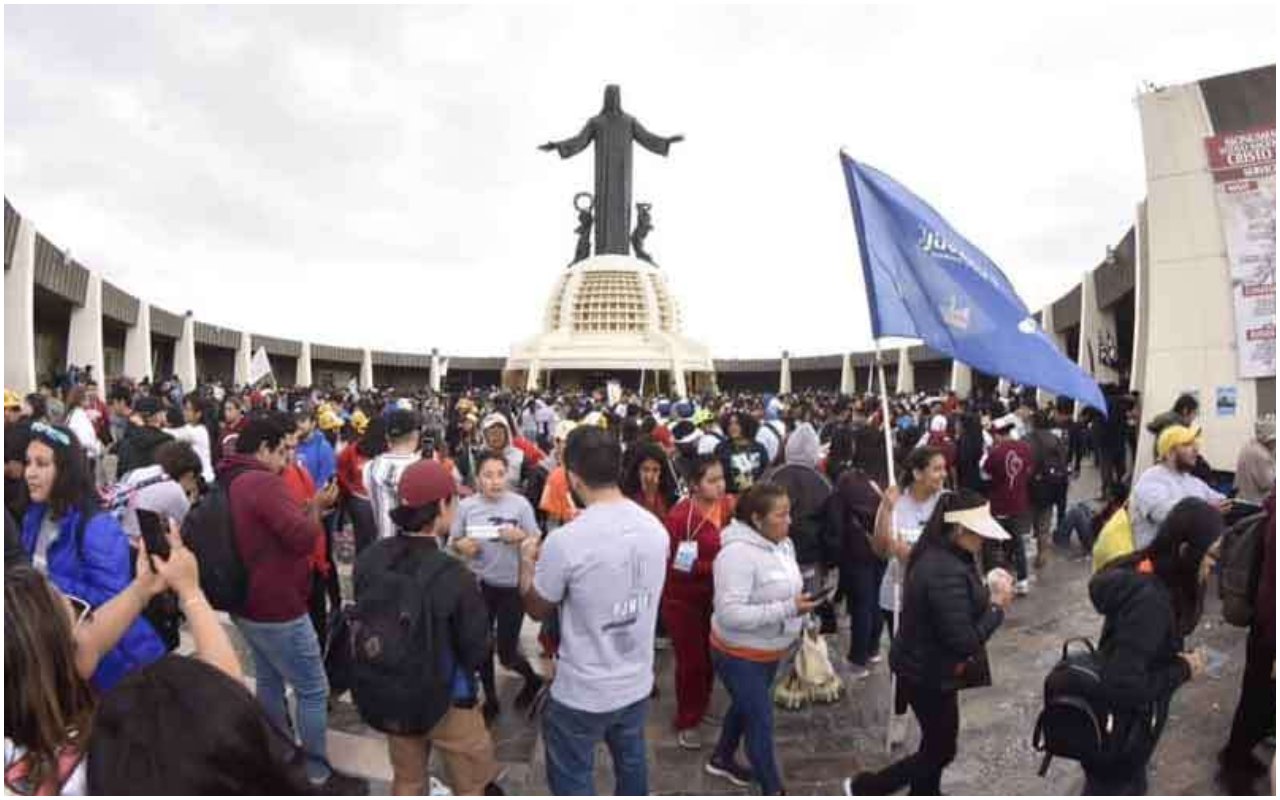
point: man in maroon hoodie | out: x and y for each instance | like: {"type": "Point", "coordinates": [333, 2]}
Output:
{"type": "Point", "coordinates": [1010, 463]}
{"type": "Point", "coordinates": [276, 537]}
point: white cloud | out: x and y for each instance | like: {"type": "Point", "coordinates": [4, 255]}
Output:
{"type": "Point", "coordinates": [368, 176]}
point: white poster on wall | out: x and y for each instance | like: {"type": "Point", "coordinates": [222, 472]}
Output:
{"type": "Point", "coordinates": [1244, 176]}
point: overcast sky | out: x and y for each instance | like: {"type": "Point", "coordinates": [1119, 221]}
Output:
{"type": "Point", "coordinates": [361, 176]}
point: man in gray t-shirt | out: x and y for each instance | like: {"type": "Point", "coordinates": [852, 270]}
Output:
{"type": "Point", "coordinates": [603, 572]}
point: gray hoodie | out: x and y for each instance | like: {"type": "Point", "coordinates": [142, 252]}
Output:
{"type": "Point", "coordinates": [803, 447]}
{"type": "Point", "coordinates": [756, 583]}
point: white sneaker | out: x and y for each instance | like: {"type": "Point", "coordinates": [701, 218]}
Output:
{"type": "Point", "coordinates": [1022, 588]}
{"type": "Point", "coordinates": [439, 788]}
{"type": "Point", "coordinates": [858, 673]}
{"type": "Point", "coordinates": [876, 659]}
{"type": "Point", "coordinates": [689, 739]}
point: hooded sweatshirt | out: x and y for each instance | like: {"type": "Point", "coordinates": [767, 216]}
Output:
{"type": "Point", "coordinates": [515, 456]}
{"type": "Point", "coordinates": [808, 489]}
{"type": "Point", "coordinates": [756, 583]}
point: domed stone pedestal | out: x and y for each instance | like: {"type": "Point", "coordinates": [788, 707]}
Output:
{"type": "Point", "coordinates": [611, 315]}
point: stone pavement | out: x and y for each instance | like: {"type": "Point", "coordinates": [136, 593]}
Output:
{"type": "Point", "coordinates": [818, 746]}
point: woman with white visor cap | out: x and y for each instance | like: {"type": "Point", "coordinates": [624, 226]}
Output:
{"type": "Point", "coordinates": [948, 613]}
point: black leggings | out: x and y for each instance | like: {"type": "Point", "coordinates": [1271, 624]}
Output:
{"type": "Point", "coordinates": [506, 614]}
{"type": "Point", "coordinates": [939, 715]}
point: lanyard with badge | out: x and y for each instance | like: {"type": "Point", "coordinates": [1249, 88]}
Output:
{"type": "Point", "coordinates": [687, 550]}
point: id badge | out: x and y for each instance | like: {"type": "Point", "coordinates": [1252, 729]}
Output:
{"type": "Point", "coordinates": [686, 554]}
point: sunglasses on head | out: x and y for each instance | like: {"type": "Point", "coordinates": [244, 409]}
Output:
{"type": "Point", "coordinates": [50, 433]}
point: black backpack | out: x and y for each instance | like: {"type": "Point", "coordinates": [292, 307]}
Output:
{"type": "Point", "coordinates": [1074, 724]}
{"type": "Point", "coordinates": [390, 646]}
{"type": "Point", "coordinates": [209, 531]}
{"type": "Point", "coordinates": [1241, 563]}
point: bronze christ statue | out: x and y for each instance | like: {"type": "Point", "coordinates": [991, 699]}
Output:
{"type": "Point", "coordinates": [612, 131]}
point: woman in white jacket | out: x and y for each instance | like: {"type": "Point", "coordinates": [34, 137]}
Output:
{"type": "Point", "coordinates": [80, 424]}
{"type": "Point", "coordinates": [758, 613]}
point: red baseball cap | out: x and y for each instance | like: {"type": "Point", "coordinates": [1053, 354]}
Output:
{"type": "Point", "coordinates": [425, 482]}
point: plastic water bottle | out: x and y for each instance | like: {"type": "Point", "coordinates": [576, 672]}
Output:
{"type": "Point", "coordinates": [1214, 661]}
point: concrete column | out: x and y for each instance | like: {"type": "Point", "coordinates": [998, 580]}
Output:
{"type": "Point", "coordinates": [20, 313]}
{"type": "Point", "coordinates": [678, 386]}
{"type": "Point", "coordinates": [1046, 324]}
{"type": "Point", "coordinates": [961, 379]}
{"type": "Point", "coordinates": [847, 378]}
{"type": "Point", "coordinates": [303, 375]}
{"type": "Point", "coordinates": [366, 369]}
{"type": "Point", "coordinates": [784, 379]}
{"type": "Point", "coordinates": [1097, 326]}
{"type": "Point", "coordinates": [84, 336]}
{"type": "Point", "coordinates": [531, 377]}
{"type": "Point", "coordinates": [244, 359]}
{"type": "Point", "coordinates": [1002, 387]}
{"type": "Point", "coordinates": [434, 380]}
{"type": "Point", "coordinates": [906, 372]}
{"type": "Point", "coordinates": [137, 345]}
{"type": "Point", "coordinates": [184, 353]}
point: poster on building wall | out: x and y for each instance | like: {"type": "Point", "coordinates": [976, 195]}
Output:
{"type": "Point", "coordinates": [1243, 164]}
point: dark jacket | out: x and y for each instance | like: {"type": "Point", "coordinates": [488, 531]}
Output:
{"type": "Point", "coordinates": [1139, 653]}
{"type": "Point", "coordinates": [809, 491]}
{"type": "Point", "coordinates": [91, 560]}
{"type": "Point", "coordinates": [460, 621]}
{"type": "Point", "coordinates": [1139, 644]}
{"type": "Point", "coordinates": [947, 617]}
{"type": "Point", "coordinates": [851, 519]}
{"type": "Point", "coordinates": [274, 537]}
{"type": "Point", "coordinates": [138, 448]}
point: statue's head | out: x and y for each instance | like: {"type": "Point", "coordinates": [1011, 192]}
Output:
{"type": "Point", "coordinates": [612, 98]}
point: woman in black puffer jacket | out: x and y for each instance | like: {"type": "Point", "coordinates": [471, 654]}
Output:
{"type": "Point", "coordinates": [947, 617]}
{"type": "Point", "coordinates": [1151, 600]}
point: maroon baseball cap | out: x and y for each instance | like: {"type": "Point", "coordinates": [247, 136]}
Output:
{"type": "Point", "coordinates": [424, 482]}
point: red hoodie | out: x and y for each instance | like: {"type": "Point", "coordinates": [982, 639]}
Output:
{"type": "Point", "coordinates": [275, 538]}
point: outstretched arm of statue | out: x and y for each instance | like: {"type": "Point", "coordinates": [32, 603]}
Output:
{"type": "Point", "coordinates": [651, 141]}
{"type": "Point", "coordinates": [573, 145]}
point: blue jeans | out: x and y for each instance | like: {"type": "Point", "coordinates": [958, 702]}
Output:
{"type": "Point", "coordinates": [750, 715]}
{"type": "Point", "coordinates": [1078, 519]}
{"type": "Point", "coordinates": [571, 735]}
{"type": "Point", "coordinates": [289, 651]}
{"type": "Point", "coordinates": [862, 597]}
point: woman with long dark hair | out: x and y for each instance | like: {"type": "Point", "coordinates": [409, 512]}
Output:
{"type": "Point", "coordinates": [650, 480]}
{"type": "Point", "coordinates": [79, 546]}
{"type": "Point", "coordinates": [1152, 600]}
{"type": "Point", "coordinates": [744, 459]}
{"type": "Point", "coordinates": [201, 432]}
{"type": "Point", "coordinates": [694, 526]}
{"type": "Point", "coordinates": [940, 648]}
{"type": "Point", "coordinates": [971, 451]}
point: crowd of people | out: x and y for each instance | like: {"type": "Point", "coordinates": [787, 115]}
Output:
{"type": "Point", "coordinates": [726, 525]}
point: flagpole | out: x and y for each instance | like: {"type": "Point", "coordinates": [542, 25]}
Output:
{"type": "Point", "coordinates": [897, 582]}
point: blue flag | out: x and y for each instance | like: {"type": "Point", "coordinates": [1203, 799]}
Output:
{"type": "Point", "coordinates": [925, 281]}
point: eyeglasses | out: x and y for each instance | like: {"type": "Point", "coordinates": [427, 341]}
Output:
{"type": "Point", "coordinates": [49, 432]}
{"type": "Point", "coordinates": [80, 608]}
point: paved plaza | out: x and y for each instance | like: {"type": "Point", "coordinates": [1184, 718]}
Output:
{"type": "Point", "coordinates": [819, 745]}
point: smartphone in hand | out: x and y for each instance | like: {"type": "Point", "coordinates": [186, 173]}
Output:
{"type": "Point", "coordinates": [825, 596]}
{"type": "Point", "coordinates": [154, 529]}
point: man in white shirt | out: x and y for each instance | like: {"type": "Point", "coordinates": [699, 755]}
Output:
{"type": "Point", "coordinates": [1168, 481]}
{"type": "Point", "coordinates": [382, 474]}
{"type": "Point", "coordinates": [603, 573]}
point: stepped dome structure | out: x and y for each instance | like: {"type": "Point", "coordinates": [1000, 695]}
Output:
{"type": "Point", "coordinates": [611, 314]}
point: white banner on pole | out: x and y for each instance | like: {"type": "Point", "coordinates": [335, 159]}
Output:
{"type": "Point", "coordinates": [260, 366]}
